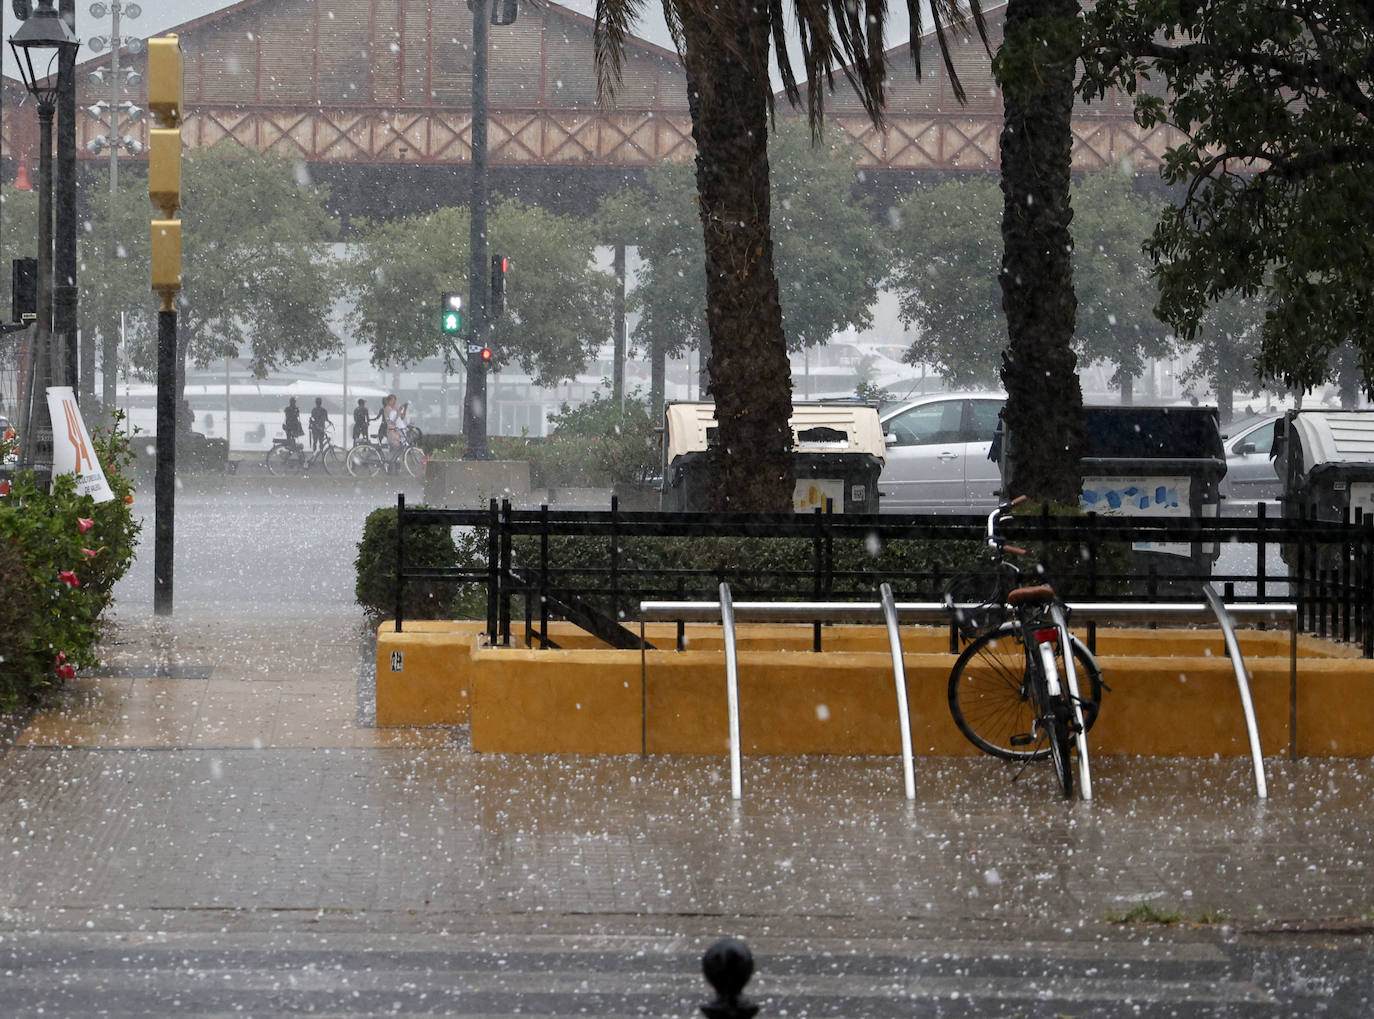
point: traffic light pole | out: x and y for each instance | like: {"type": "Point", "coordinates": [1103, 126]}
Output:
{"type": "Point", "coordinates": [475, 399]}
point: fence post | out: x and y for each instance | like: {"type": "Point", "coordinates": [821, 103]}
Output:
{"type": "Point", "coordinates": [615, 558]}
{"type": "Point", "coordinates": [728, 964]}
{"type": "Point", "coordinates": [400, 556]}
{"type": "Point", "coordinates": [1261, 518]}
{"type": "Point", "coordinates": [817, 568]}
{"type": "Point", "coordinates": [506, 527]}
{"type": "Point", "coordinates": [544, 575]}
{"type": "Point", "coordinates": [1367, 586]}
{"type": "Point", "coordinates": [493, 570]}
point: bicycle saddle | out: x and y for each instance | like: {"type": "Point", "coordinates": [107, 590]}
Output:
{"type": "Point", "coordinates": [1040, 594]}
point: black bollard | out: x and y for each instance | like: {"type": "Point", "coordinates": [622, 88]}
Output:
{"type": "Point", "coordinates": [728, 964]}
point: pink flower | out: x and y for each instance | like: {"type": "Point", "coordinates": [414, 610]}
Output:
{"type": "Point", "coordinates": [69, 578]}
{"type": "Point", "coordinates": [90, 553]}
{"type": "Point", "coordinates": [65, 671]}
{"type": "Point", "coordinates": [84, 524]}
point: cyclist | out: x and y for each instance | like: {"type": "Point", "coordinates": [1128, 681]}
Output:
{"type": "Point", "coordinates": [319, 420]}
{"type": "Point", "coordinates": [291, 423]}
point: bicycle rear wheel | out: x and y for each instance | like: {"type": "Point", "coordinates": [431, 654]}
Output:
{"type": "Point", "coordinates": [282, 460]}
{"type": "Point", "coordinates": [364, 461]}
{"type": "Point", "coordinates": [333, 461]}
{"type": "Point", "coordinates": [414, 461]}
{"type": "Point", "coordinates": [989, 694]}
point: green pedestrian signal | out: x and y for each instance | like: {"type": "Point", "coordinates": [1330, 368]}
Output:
{"type": "Point", "coordinates": [451, 314]}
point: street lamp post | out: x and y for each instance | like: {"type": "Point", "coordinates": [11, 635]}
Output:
{"type": "Point", "coordinates": [43, 46]}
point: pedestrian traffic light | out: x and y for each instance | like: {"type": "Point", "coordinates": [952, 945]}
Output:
{"type": "Point", "coordinates": [451, 313]}
{"type": "Point", "coordinates": [499, 264]}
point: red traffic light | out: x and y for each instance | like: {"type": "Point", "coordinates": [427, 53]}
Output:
{"type": "Point", "coordinates": [486, 354]}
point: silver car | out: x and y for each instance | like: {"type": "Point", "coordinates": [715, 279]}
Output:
{"type": "Point", "coordinates": [1250, 473]}
{"type": "Point", "coordinates": [937, 454]}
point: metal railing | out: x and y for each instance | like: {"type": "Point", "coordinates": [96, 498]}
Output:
{"type": "Point", "coordinates": [1326, 570]}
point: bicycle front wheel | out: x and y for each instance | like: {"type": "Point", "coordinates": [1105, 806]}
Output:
{"type": "Point", "coordinates": [414, 461]}
{"type": "Point", "coordinates": [1058, 729]}
{"type": "Point", "coordinates": [282, 460]}
{"type": "Point", "coordinates": [989, 694]}
{"type": "Point", "coordinates": [364, 461]}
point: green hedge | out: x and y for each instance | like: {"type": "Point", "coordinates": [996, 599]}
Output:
{"type": "Point", "coordinates": [375, 587]}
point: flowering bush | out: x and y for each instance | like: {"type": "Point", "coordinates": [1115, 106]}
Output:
{"type": "Point", "coordinates": [60, 556]}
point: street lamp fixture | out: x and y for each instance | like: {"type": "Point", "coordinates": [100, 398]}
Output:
{"type": "Point", "coordinates": [38, 47]}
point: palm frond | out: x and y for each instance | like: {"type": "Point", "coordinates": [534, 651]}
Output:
{"type": "Point", "coordinates": [610, 30]}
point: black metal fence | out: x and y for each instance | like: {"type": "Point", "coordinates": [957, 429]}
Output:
{"type": "Point", "coordinates": [1326, 568]}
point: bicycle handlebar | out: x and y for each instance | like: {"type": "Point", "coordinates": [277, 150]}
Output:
{"type": "Point", "coordinates": [996, 517]}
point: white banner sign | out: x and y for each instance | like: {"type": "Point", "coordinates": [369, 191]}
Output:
{"type": "Point", "coordinates": [72, 452]}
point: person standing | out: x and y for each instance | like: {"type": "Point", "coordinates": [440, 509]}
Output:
{"type": "Point", "coordinates": [291, 422]}
{"type": "Point", "coordinates": [319, 421]}
{"type": "Point", "coordinates": [361, 417]}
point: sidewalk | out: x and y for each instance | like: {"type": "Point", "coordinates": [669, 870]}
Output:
{"type": "Point", "coordinates": [207, 784]}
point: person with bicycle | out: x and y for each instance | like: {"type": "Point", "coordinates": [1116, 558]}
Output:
{"type": "Point", "coordinates": [291, 423]}
{"type": "Point", "coordinates": [319, 420]}
{"type": "Point", "coordinates": [395, 421]}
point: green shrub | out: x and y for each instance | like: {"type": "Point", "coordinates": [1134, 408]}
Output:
{"type": "Point", "coordinates": [375, 588]}
{"type": "Point", "coordinates": [60, 556]}
{"type": "Point", "coordinates": [596, 445]}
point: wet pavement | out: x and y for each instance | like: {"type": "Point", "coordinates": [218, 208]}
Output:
{"type": "Point", "coordinates": [212, 826]}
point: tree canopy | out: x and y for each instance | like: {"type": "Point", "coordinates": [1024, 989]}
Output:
{"type": "Point", "coordinates": [829, 255]}
{"type": "Point", "coordinates": [557, 302]}
{"type": "Point", "coordinates": [947, 249]}
{"type": "Point", "coordinates": [257, 278]}
{"type": "Point", "coordinates": [1272, 103]}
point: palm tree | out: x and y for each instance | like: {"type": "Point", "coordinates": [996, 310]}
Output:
{"type": "Point", "coordinates": [725, 47]}
{"type": "Point", "coordinates": [1044, 411]}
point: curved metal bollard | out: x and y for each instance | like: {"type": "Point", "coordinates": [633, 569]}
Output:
{"type": "Point", "coordinates": [728, 964]}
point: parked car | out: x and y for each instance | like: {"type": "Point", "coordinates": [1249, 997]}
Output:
{"type": "Point", "coordinates": [1250, 469]}
{"type": "Point", "coordinates": [937, 454]}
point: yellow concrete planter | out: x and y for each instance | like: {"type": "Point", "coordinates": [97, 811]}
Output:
{"type": "Point", "coordinates": [1172, 692]}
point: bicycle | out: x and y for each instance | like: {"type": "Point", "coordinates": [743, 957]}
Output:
{"type": "Point", "coordinates": [367, 459]}
{"type": "Point", "coordinates": [1012, 692]}
{"type": "Point", "coordinates": [288, 456]}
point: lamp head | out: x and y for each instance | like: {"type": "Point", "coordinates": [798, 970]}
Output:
{"type": "Point", "coordinates": [38, 46]}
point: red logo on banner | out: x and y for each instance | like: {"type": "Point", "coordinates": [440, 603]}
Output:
{"type": "Point", "coordinates": [78, 440]}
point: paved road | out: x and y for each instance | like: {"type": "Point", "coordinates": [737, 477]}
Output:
{"type": "Point", "coordinates": [260, 547]}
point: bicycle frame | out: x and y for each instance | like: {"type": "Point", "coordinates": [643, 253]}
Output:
{"type": "Point", "coordinates": [1032, 618]}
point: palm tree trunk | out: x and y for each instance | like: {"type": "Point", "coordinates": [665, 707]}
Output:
{"type": "Point", "coordinates": [1044, 411]}
{"type": "Point", "coordinates": [751, 379]}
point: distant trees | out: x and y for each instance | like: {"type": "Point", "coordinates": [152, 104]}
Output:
{"type": "Point", "coordinates": [947, 250]}
{"type": "Point", "coordinates": [829, 255]}
{"type": "Point", "coordinates": [258, 279]}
